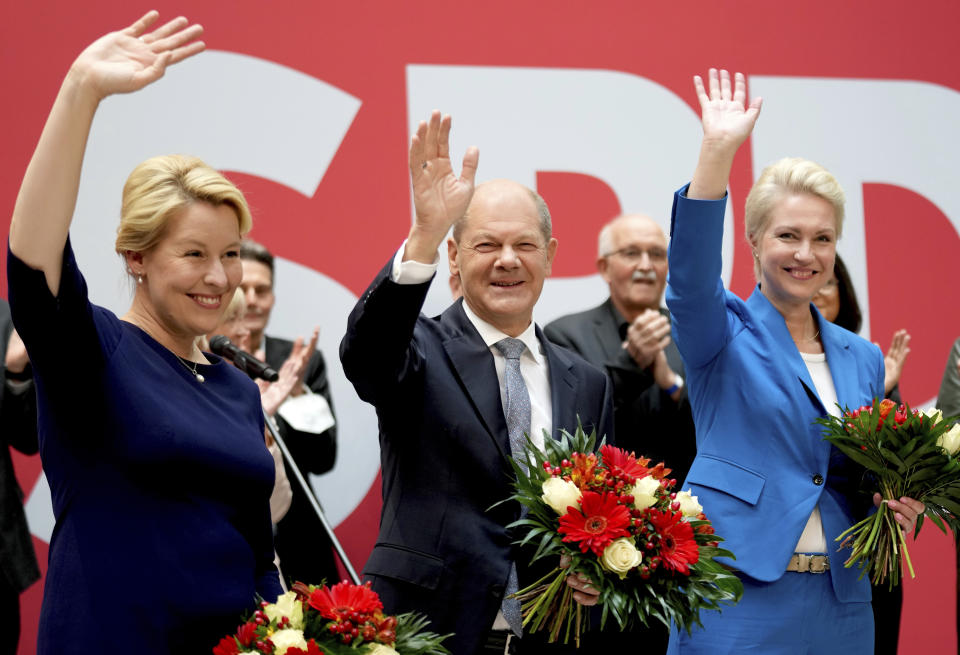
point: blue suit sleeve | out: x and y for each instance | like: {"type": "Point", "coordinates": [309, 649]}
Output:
{"type": "Point", "coordinates": [695, 293]}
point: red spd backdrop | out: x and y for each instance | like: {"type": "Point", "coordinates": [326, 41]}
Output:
{"type": "Point", "coordinates": [309, 106]}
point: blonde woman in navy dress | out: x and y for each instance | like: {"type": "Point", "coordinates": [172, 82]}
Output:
{"type": "Point", "coordinates": [153, 449]}
{"type": "Point", "coordinates": [759, 373]}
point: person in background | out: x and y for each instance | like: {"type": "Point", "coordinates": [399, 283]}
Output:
{"type": "Point", "coordinates": [948, 402]}
{"type": "Point", "coordinates": [759, 373]}
{"type": "Point", "coordinates": [305, 422]}
{"type": "Point", "coordinates": [628, 335]}
{"type": "Point", "coordinates": [18, 429]}
{"type": "Point", "coordinates": [158, 472]}
{"type": "Point", "coordinates": [948, 398]}
{"type": "Point", "coordinates": [837, 302]}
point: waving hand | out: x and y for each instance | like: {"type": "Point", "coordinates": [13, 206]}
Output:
{"type": "Point", "coordinates": [727, 122]}
{"type": "Point", "coordinates": [440, 197]}
{"type": "Point", "coordinates": [119, 62]}
{"type": "Point", "coordinates": [128, 60]}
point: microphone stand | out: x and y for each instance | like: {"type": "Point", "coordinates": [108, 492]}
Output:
{"type": "Point", "coordinates": [308, 491]}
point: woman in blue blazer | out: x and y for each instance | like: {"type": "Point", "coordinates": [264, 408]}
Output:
{"type": "Point", "coordinates": [759, 373]}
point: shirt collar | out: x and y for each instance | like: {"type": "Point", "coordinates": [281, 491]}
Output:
{"type": "Point", "coordinates": [492, 335]}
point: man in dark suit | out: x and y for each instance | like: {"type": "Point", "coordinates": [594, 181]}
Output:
{"type": "Point", "coordinates": [18, 429]}
{"type": "Point", "coordinates": [442, 391]}
{"type": "Point", "coordinates": [629, 336]}
{"type": "Point", "coordinates": [306, 424]}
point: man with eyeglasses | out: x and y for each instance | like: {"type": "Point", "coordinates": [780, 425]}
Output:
{"type": "Point", "coordinates": [629, 336]}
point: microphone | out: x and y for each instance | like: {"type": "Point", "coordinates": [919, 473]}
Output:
{"type": "Point", "coordinates": [221, 345]}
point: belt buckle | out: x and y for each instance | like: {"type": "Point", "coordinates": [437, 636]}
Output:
{"type": "Point", "coordinates": [803, 563]}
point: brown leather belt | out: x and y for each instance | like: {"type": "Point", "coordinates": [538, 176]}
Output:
{"type": "Point", "coordinates": [802, 563]}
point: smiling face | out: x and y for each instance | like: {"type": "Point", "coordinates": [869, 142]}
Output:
{"type": "Point", "coordinates": [191, 273]}
{"type": "Point", "coordinates": [635, 264]}
{"type": "Point", "coordinates": [796, 250]}
{"type": "Point", "coordinates": [502, 256]}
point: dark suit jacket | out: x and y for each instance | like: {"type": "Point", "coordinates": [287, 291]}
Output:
{"type": "Point", "coordinates": [647, 420]}
{"type": "Point", "coordinates": [301, 542]}
{"type": "Point", "coordinates": [18, 428]}
{"type": "Point", "coordinates": [443, 548]}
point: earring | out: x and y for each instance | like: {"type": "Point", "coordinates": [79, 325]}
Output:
{"type": "Point", "coordinates": [140, 278]}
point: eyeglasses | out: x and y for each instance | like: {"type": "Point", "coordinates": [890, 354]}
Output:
{"type": "Point", "coordinates": [633, 254]}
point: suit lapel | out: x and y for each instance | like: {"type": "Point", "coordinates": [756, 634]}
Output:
{"type": "Point", "coordinates": [843, 364]}
{"type": "Point", "coordinates": [473, 365]}
{"type": "Point", "coordinates": [563, 386]}
{"type": "Point", "coordinates": [772, 319]}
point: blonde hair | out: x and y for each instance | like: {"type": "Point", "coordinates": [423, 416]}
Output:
{"type": "Point", "coordinates": [788, 176]}
{"type": "Point", "coordinates": [160, 187]}
{"type": "Point", "coordinates": [236, 308]}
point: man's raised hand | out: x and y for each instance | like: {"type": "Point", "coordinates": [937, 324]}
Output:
{"type": "Point", "coordinates": [440, 198]}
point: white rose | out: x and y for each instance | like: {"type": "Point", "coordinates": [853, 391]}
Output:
{"type": "Point", "coordinates": [950, 440]}
{"type": "Point", "coordinates": [934, 414]}
{"type": "Point", "coordinates": [689, 505]}
{"type": "Point", "coordinates": [381, 649]}
{"type": "Point", "coordinates": [287, 605]}
{"type": "Point", "coordinates": [621, 556]}
{"type": "Point", "coordinates": [288, 638]}
{"type": "Point", "coordinates": [559, 494]}
{"type": "Point", "coordinates": [644, 492]}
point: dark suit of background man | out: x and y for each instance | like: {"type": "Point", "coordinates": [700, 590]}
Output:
{"type": "Point", "coordinates": [436, 385]}
{"type": "Point", "coordinates": [18, 428]}
{"type": "Point", "coordinates": [629, 335]}
{"type": "Point", "coordinates": [302, 544]}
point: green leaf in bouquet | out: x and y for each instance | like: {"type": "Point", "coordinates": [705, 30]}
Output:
{"type": "Point", "coordinates": [947, 503]}
{"type": "Point", "coordinates": [891, 456]}
{"type": "Point", "coordinates": [857, 455]}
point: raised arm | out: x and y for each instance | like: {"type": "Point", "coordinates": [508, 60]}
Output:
{"type": "Point", "coordinates": [727, 122]}
{"type": "Point", "coordinates": [440, 198]}
{"type": "Point", "coordinates": [695, 292]}
{"type": "Point", "coordinates": [119, 62]}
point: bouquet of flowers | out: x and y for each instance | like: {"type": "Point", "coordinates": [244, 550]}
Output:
{"type": "Point", "coordinates": [345, 618]}
{"type": "Point", "coordinates": [909, 453]}
{"type": "Point", "coordinates": [648, 550]}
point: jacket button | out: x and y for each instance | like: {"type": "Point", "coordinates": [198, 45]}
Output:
{"type": "Point", "coordinates": [818, 479]}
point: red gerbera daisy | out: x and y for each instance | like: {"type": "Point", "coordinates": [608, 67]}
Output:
{"type": "Point", "coordinates": [623, 465]}
{"type": "Point", "coordinates": [677, 548]}
{"type": "Point", "coordinates": [227, 646]}
{"type": "Point", "coordinates": [247, 633]}
{"type": "Point", "coordinates": [599, 521]}
{"type": "Point", "coordinates": [312, 649]}
{"type": "Point", "coordinates": [341, 600]}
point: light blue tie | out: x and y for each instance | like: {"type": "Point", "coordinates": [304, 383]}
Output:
{"type": "Point", "coordinates": [517, 413]}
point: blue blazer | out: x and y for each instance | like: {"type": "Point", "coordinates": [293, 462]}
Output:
{"type": "Point", "coordinates": [762, 464]}
{"type": "Point", "coordinates": [443, 549]}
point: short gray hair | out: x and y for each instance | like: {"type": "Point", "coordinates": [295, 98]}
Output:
{"type": "Point", "coordinates": [543, 213]}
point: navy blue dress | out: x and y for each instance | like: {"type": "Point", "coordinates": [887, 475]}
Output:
{"type": "Point", "coordinates": [160, 484]}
